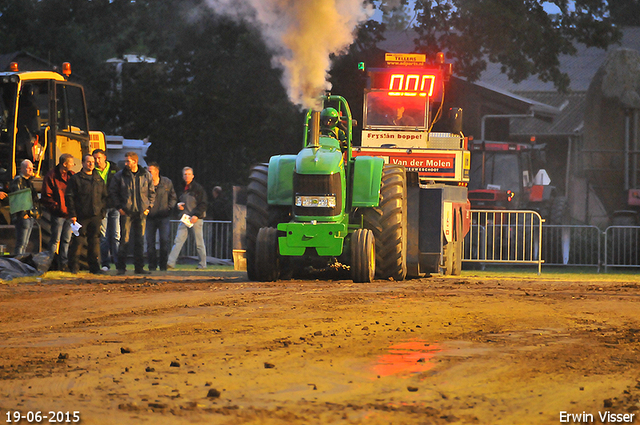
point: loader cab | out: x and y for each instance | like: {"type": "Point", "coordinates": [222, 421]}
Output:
{"type": "Point", "coordinates": [402, 98]}
{"type": "Point", "coordinates": [41, 116]}
{"type": "Point", "coordinates": [500, 176]}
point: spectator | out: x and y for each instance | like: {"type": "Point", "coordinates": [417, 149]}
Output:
{"type": "Point", "coordinates": [219, 205]}
{"type": "Point", "coordinates": [110, 226]}
{"type": "Point", "coordinates": [193, 203]}
{"type": "Point", "coordinates": [158, 220]}
{"type": "Point", "coordinates": [52, 199]}
{"type": "Point", "coordinates": [86, 199]}
{"type": "Point", "coordinates": [24, 220]}
{"type": "Point", "coordinates": [132, 193]}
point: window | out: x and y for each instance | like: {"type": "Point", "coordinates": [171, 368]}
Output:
{"type": "Point", "coordinates": [70, 109]}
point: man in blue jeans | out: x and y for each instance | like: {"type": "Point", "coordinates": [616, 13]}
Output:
{"type": "Point", "coordinates": [24, 220]}
{"type": "Point", "coordinates": [158, 220]}
{"type": "Point", "coordinates": [52, 198]}
{"type": "Point", "coordinates": [193, 203]}
{"type": "Point", "coordinates": [131, 191]}
{"type": "Point", "coordinates": [110, 226]}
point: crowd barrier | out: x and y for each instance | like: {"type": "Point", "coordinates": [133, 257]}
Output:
{"type": "Point", "coordinates": [217, 239]}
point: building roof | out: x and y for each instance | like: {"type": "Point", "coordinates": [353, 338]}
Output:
{"type": "Point", "coordinates": [27, 61]}
{"type": "Point", "coordinates": [581, 68]}
{"type": "Point", "coordinates": [567, 122]}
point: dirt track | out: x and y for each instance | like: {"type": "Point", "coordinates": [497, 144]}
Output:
{"type": "Point", "coordinates": [216, 349]}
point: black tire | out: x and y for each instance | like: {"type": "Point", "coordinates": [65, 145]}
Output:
{"type": "Point", "coordinates": [257, 213]}
{"type": "Point", "coordinates": [559, 210]}
{"type": "Point", "coordinates": [363, 256]}
{"type": "Point", "coordinates": [45, 228]}
{"type": "Point", "coordinates": [388, 222]}
{"type": "Point", "coordinates": [267, 264]}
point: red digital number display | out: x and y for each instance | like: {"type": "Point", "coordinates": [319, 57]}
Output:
{"type": "Point", "coordinates": [411, 85]}
{"type": "Point", "coordinates": [407, 82]}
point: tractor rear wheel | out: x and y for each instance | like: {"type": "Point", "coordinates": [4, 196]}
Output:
{"type": "Point", "coordinates": [267, 264]}
{"type": "Point", "coordinates": [363, 256]}
{"type": "Point", "coordinates": [559, 209]}
{"type": "Point", "coordinates": [388, 222]}
{"type": "Point", "coordinates": [260, 214]}
{"type": "Point", "coordinates": [257, 213]}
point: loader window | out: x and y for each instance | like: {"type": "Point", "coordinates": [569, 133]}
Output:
{"type": "Point", "coordinates": [501, 171]}
{"type": "Point", "coordinates": [7, 108]}
{"type": "Point", "coordinates": [70, 110]}
{"type": "Point", "coordinates": [382, 111]}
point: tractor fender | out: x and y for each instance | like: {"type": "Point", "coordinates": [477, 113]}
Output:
{"type": "Point", "coordinates": [367, 176]}
{"type": "Point", "coordinates": [280, 180]}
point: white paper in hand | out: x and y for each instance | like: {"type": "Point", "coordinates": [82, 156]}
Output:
{"type": "Point", "coordinates": [186, 219]}
{"type": "Point", "coordinates": [75, 227]}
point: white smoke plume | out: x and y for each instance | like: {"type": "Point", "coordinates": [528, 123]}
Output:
{"type": "Point", "coordinates": [303, 34]}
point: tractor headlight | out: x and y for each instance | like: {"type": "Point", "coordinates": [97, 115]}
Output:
{"type": "Point", "coordinates": [316, 201]}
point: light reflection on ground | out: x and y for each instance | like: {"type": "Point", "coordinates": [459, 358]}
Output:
{"type": "Point", "coordinates": [408, 357]}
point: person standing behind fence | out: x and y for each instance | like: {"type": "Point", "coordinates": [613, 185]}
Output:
{"type": "Point", "coordinates": [193, 202]}
{"type": "Point", "coordinates": [24, 220]}
{"type": "Point", "coordinates": [219, 208]}
{"type": "Point", "coordinates": [86, 198]}
{"type": "Point", "coordinates": [131, 191]}
{"type": "Point", "coordinates": [158, 220]}
{"type": "Point", "coordinates": [52, 199]}
{"type": "Point", "coordinates": [110, 226]}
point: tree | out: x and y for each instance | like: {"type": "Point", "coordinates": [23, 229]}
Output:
{"type": "Point", "coordinates": [625, 12]}
{"type": "Point", "coordinates": [519, 34]}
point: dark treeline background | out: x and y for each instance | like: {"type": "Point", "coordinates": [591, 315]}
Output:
{"type": "Point", "coordinates": [212, 99]}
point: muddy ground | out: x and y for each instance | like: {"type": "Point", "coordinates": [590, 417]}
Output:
{"type": "Point", "coordinates": [213, 348]}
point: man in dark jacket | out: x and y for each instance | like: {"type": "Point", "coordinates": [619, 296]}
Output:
{"type": "Point", "coordinates": [86, 198]}
{"type": "Point", "coordinates": [24, 220]}
{"type": "Point", "coordinates": [193, 205]}
{"type": "Point", "coordinates": [52, 199]}
{"type": "Point", "coordinates": [131, 191]}
{"type": "Point", "coordinates": [158, 220]}
{"type": "Point", "coordinates": [110, 227]}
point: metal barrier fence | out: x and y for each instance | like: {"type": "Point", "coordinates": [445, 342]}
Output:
{"type": "Point", "coordinates": [622, 246]}
{"type": "Point", "coordinates": [506, 237]}
{"type": "Point", "coordinates": [497, 237]}
{"type": "Point", "coordinates": [217, 239]}
{"type": "Point", "coordinates": [571, 245]}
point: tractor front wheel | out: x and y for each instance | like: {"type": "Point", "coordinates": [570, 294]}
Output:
{"type": "Point", "coordinates": [363, 256]}
{"type": "Point", "coordinates": [267, 264]}
{"type": "Point", "coordinates": [389, 224]}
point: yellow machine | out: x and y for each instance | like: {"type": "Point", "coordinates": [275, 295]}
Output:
{"type": "Point", "coordinates": [42, 115]}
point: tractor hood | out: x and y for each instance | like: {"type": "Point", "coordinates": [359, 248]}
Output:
{"type": "Point", "coordinates": [319, 160]}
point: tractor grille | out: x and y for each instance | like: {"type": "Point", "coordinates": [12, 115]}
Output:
{"type": "Point", "coordinates": [318, 185]}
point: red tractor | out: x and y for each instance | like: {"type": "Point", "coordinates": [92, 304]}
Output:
{"type": "Point", "coordinates": [510, 176]}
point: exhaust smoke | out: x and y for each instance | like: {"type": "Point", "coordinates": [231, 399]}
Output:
{"type": "Point", "coordinates": [303, 35]}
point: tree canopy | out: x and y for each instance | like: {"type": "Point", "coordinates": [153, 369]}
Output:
{"type": "Point", "coordinates": [518, 34]}
{"type": "Point", "coordinates": [213, 100]}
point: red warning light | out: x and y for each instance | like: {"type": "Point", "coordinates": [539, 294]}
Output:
{"type": "Point", "coordinates": [13, 67]}
{"type": "Point", "coordinates": [66, 69]}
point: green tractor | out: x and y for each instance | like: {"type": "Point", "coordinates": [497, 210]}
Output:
{"type": "Point", "coordinates": [325, 206]}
